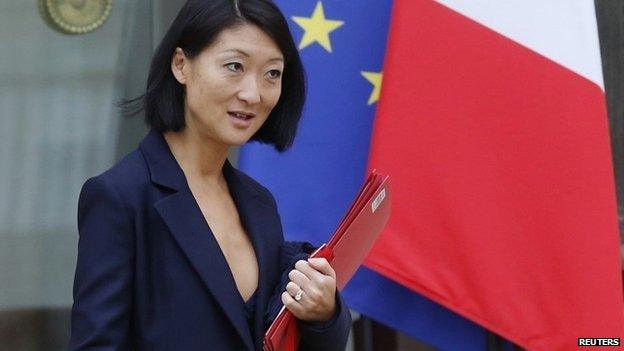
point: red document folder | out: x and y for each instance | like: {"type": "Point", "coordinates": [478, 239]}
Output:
{"type": "Point", "coordinates": [346, 251]}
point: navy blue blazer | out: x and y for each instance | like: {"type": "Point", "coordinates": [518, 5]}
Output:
{"type": "Point", "coordinates": [151, 276]}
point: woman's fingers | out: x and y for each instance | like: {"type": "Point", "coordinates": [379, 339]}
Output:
{"type": "Point", "coordinates": [317, 280]}
{"type": "Point", "coordinates": [321, 265]}
{"type": "Point", "coordinates": [293, 289]}
{"type": "Point", "coordinates": [302, 280]}
{"type": "Point", "coordinates": [293, 306]}
{"type": "Point", "coordinates": [311, 273]}
{"type": "Point", "coordinates": [297, 277]}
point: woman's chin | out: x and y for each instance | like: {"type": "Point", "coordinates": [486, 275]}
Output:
{"type": "Point", "coordinates": [237, 141]}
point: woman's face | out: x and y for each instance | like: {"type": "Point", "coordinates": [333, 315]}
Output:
{"type": "Point", "coordinates": [232, 85]}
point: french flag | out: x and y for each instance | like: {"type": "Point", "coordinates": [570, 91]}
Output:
{"type": "Point", "coordinates": [492, 126]}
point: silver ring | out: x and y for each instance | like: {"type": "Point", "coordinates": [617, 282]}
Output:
{"type": "Point", "coordinates": [298, 295]}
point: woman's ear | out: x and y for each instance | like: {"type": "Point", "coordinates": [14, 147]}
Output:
{"type": "Point", "coordinates": [179, 63]}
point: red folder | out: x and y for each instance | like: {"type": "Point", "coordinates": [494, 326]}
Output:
{"type": "Point", "coordinates": [346, 251]}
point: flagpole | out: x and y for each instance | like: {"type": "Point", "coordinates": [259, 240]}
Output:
{"type": "Point", "coordinates": [497, 343]}
{"type": "Point", "coordinates": [367, 333]}
{"type": "Point", "coordinates": [494, 342]}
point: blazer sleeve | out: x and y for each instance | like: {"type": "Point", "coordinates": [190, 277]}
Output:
{"type": "Point", "coordinates": [100, 316]}
{"type": "Point", "coordinates": [331, 335]}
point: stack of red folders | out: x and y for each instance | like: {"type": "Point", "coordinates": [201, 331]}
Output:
{"type": "Point", "coordinates": [346, 251]}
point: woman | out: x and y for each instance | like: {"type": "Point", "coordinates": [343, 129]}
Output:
{"type": "Point", "coordinates": [178, 250]}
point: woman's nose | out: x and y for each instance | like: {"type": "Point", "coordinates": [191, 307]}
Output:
{"type": "Point", "coordinates": [249, 91]}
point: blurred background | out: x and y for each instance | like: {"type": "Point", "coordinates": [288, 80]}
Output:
{"type": "Point", "coordinates": [59, 126]}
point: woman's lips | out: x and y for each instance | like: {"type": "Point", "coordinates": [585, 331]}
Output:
{"type": "Point", "coordinates": [240, 120]}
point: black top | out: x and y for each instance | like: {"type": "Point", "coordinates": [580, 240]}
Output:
{"type": "Point", "coordinates": [250, 310]}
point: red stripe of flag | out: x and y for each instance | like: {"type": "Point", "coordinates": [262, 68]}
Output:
{"type": "Point", "coordinates": [504, 204]}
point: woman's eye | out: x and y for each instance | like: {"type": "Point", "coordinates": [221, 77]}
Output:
{"type": "Point", "coordinates": [274, 73]}
{"type": "Point", "coordinates": [234, 66]}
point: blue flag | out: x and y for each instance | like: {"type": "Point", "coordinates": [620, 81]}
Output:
{"type": "Point", "coordinates": [342, 45]}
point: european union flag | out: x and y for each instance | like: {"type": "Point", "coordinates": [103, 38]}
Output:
{"type": "Point", "coordinates": [342, 44]}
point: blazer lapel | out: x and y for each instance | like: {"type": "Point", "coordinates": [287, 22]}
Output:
{"type": "Point", "coordinates": [260, 220]}
{"type": "Point", "coordinates": [184, 219]}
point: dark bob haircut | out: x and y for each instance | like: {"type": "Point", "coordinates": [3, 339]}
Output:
{"type": "Point", "coordinates": [196, 27]}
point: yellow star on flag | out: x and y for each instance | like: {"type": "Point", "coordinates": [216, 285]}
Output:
{"type": "Point", "coordinates": [317, 28]}
{"type": "Point", "coordinates": [375, 79]}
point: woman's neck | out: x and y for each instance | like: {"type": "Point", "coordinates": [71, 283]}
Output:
{"type": "Point", "coordinates": [201, 159]}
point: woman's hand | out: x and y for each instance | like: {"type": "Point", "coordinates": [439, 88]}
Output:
{"type": "Point", "coordinates": [317, 280]}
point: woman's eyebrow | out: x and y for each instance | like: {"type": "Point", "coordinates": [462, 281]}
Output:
{"type": "Point", "coordinates": [237, 51]}
{"type": "Point", "coordinates": [247, 55]}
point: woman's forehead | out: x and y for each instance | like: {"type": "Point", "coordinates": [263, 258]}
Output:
{"type": "Point", "coordinates": [247, 40]}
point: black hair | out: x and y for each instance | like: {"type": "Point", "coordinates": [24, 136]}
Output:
{"type": "Point", "coordinates": [196, 27]}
